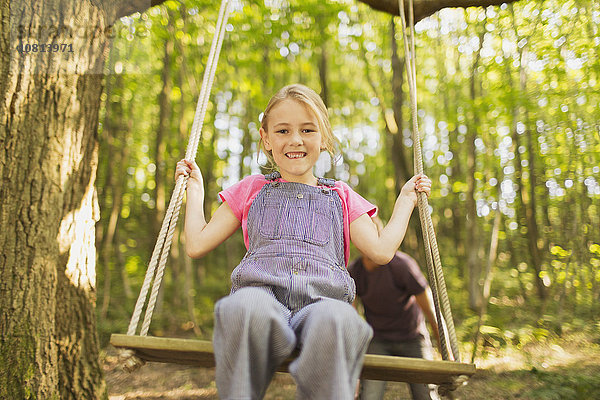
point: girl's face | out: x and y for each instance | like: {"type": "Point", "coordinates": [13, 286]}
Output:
{"type": "Point", "coordinates": [294, 139]}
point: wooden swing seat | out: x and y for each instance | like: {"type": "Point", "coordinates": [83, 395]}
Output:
{"type": "Point", "coordinates": [199, 353]}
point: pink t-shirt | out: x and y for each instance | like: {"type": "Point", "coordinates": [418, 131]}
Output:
{"type": "Point", "coordinates": [240, 196]}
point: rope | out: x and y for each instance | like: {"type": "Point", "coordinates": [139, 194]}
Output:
{"type": "Point", "coordinates": [165, 237]}
{"type": "Point", "coordinates": [177, 197]}
{"type": "Point", "coordinates": [434, 264]}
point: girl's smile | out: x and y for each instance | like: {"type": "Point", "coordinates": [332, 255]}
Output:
{"type": "Point", "coordinates": [296, 155]}
{"type": "Point", "coordinates": [294, 139]}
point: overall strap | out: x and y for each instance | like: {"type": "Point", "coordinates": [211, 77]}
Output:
{"type": "Point", "coordinates": [273, 176]}
{"type": "Point", "coordinates": [329, 182]}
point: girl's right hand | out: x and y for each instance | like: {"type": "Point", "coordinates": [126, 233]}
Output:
{"type": "Point", "coordinates": [418, 183]}
{"type": "Point", "coordinates": [190, 170]}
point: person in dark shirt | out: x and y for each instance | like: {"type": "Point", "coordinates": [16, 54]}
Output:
{"type": "Point", "coordinates": [396, 300]}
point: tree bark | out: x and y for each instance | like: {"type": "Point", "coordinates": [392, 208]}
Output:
{"type": "Point", "coordinates": [48, 205]}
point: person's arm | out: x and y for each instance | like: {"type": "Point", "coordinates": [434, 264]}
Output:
{"type": "Point", "coordinates": [202, 237]}
{"type": "Point", "coordinates": [425, 302]}
{"type": "Point", "coordinates": [381, 247]}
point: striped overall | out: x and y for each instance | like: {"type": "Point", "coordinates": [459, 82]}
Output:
{"type": "Point", "coordinates": [291, 290]}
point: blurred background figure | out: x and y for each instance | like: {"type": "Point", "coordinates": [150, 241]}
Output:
{"type": "Point", "coordinates": [396, 300]}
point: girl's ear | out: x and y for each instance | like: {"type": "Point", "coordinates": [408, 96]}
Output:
{"type": "Point", "coordinates": [265, 139]}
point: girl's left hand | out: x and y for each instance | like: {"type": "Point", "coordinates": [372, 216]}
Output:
{"type": "Point", "coordinates": [418, 183]}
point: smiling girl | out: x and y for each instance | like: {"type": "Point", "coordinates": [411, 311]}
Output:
{"type": "Point", "coordinates": [292, 290]}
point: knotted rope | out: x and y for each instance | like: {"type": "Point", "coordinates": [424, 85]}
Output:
{"type": "Point", "coordinates": [162, 247]}
{"type": "Point", "coordinates": [434, 264]}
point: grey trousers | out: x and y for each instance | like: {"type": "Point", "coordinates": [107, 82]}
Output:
{"type": "Point", "coordinates": [417, 348]}
{"type": "Point", "coordinates": [254, 333]}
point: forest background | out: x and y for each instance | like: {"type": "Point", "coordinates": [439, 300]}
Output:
{"type": "Point", "coordinates": [509, 108]}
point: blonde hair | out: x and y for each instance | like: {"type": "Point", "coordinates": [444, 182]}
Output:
{"type": "Point", "coordinates": [313, 101]}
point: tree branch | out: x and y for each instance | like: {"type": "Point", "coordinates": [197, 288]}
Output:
{"type": "Point", "coordinates": [425, 8]}
{"type": "Point", "coordinates": [130, 7]}
{"type": "Point", "coordinates": [116, 9]}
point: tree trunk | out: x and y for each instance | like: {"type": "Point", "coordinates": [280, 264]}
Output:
{"type": "Point", "coordinates": [323, 73]}
{"type": "Point", "coordinates": [48, 206]}
{"type": "Point", "coordinates": [398, 156]}
{"type": "Point", "coordinates": [163, 127]}
{"type": "Point", "coordinates": [526, 209]}
{"type": "Point", "coordinates": [473, 261]}
{"type": "Point", "coordinates": [114, 142]}
{"type": "Point", "coordinates": [101, 231]}
{"type": "Point", "coordinates": [487, 281]}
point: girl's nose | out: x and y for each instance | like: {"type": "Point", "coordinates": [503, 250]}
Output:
{"type": "Point", "coordinates": [296, 137]}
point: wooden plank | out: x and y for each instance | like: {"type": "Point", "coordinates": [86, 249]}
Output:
{"type": "Point", "coordinates": [200, 353]}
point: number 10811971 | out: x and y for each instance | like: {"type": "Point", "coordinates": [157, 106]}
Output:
{"type": "Point", "coordinates": [44, 48]}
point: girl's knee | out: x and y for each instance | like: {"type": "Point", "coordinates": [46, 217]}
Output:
{"type": "Point", "coordinates": [247, 304]}
{"type": "Point", "coordinates": [341, 317]}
